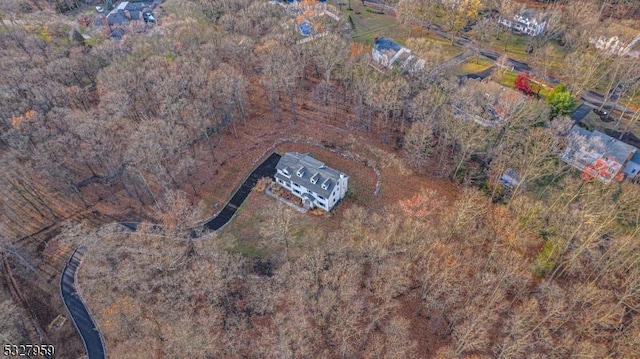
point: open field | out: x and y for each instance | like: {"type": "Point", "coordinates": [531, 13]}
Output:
{"type": "Point", "coordinates": [369, 25]}
{"type": "Point", "coordinates": [474, 65]}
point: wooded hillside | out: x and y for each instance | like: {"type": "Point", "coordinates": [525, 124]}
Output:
{"type": "Point", "coordinates": [162, 125]}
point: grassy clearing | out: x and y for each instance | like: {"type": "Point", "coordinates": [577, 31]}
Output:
{"type": "Point", "coordinates": [507, 78]}
{"type": "Point", "coordinates": [368, 24]}
{"type": "Point", "coordinates": [244, 229]}
{"type": "Point", "coordinates": [515, 46]}
{"type": "Point", "coordinates": [445, 45]}
{"type": "Point", "coordinates": [475, 65]}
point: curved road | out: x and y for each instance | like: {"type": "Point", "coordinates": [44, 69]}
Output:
{"type": "Point", "coordinates": [91, 335]}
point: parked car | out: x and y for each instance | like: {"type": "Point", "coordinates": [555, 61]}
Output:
{"type": "Point", "coordinates": [148, 17]}
{"type": "Point", "coordinates": [99, 9]}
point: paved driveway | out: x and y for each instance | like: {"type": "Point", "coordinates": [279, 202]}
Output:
{"type": "Point", "coordinates": [91, 336]}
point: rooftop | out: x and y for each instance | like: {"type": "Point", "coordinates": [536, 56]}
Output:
{"type": "Point", "coordinates": [308, 172]}
{"type": "Point", "coordinates": [600, 144]}
{"type": "Point", "coordinates": [615, 148]}
{"type": "Point", "coordinates": [385, 44]}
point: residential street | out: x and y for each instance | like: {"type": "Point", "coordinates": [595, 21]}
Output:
{"type": "Point", "coordinates": [590, 97]}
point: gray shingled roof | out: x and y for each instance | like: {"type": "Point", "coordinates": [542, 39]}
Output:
{"type": "Point", "coordinates": [294, 161]}
{"type": "Point", "coordinates": [116, 17]}
{"type": "Point", "coordinates": [614, 147]}
{"type": "Point", "coordinates": [384, 44]}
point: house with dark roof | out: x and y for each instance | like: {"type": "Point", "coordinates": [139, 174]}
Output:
{"type": "Point", "coordinates": [128, 11]}
{"type": "Point", "coordinates": [117, 33]}
{"type": "Point", "coordinates": [600, 156]}
{"type": "Point", "coordinates": [387, 52]}
{"type": "Point", "coordinates": [510, 180]}
{"type": "Point", "coordinates": [116, 17]}
{"type": "Point", "coordinates": [632, 170]}
{"type": "Point", "coordinates": [311, 180]}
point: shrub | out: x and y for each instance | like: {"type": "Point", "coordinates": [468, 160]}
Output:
{"type": "Point", "coordinates": [547, 258]}
{"type": "Point", "coordinates": [523, 83]}
{"type": "Point", "coordinates": [560, 101]}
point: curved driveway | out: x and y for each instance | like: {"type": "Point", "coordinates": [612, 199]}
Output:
{"type": "Point", "coordinates": [91, 335]}
{"type": "Point", "coordinates": [266, 169]}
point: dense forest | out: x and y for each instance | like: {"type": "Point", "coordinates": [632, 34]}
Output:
{"type": "Point", "coordinates": [162, 125]}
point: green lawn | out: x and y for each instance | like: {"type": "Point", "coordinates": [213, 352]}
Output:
{"type": "Point", "coordinates": [507, 78]}
{"type": "Point", "coordinates": [243, 235]}
{"type": "Point", "coordinates": [475, 65]}
{"type": "Point", "coordinates": [449, 50]}
{"type": "Point", "coordinates": [368, 25]}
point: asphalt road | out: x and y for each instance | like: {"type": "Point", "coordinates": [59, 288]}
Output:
{"type": "Point", "coordinates": [91, 335]}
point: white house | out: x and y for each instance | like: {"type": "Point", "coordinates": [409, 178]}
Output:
{"type": "Point", "coordinates": [387, 52]}
{"type": "Point", "coordinates": [311, 180]}
{"type": "Point", "coordinates": [526, 22]}
{"type": "Point", "coordinates": [616, 46]}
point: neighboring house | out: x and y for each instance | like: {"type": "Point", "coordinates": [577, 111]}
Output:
{"type": "Point", "coordinates": [510, 179]}
{"type": "Point", "coordinates": [632, 170]}
{"type": "Point", "coordinates": [116, 17]}
{"type": "Point", "coordinates": [309, 17]}
{"type": "Point", "coordinates": [305, 28]}
{"type": "Point", "coordinates": [387, 52]}
{"type": "Point", "coordinates": [526, 22]}
{"type": "Point", "coordinates": [598, 155]}
{"type": "Point", "coordinates": [616, 46]}
{"type": "Point", "coordinates": [316, 184]}
{"type": "Point", "coordinates": [309, 9]}
{"type": "Point", "coordinates": [128, 11]}
{"type": "Point", "coordinates": [486, 103]}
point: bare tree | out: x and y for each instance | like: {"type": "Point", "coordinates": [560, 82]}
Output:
{"type": "Point", "coordinates": [329, 53]}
